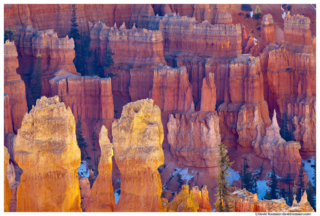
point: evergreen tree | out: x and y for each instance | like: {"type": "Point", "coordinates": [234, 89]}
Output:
{"type": "Point", "coordinates": [273, 189]}
{"type": "Point", "coordinates": [310, 193]}
{"type": "Point", "coordinates": [8, 34]}
{"type": "Point", "coordinates": [36, 81]}
{"type": "Point", "coordinates": [257, 13]}
{"type": "Point", "coordinates": [285, 133]}
{"type": "Point", "coordinates": [288, 180]}
{"type": "Point", "coordinates": [314, 175]}
{"type": "Point", "coordinates": [84, 54]}
{"type": "Point", "coordinates": [283, 193]}
{"type": "Point", "coordinates": [247, 180]}
{"type": "Point", "coordinates": [224, 198]}
{"type": "Point", "coordinates": [74, 32]}
{"type": "Point", "coordinates": [81, 142]}
{"type": "Point", "coordinates": [301, 187]}
{"type": "Point", "coordinates": [108, 62]}
{"type": "Point", "coordinates": [96, 69]}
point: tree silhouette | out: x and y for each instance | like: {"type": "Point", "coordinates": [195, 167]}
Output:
{"type": "Point", "coordinates": [36, 81]}
{"type": "Point", "coordinates": [81, 142]}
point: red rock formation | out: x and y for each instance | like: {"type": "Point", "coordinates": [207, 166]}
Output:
{"type": "Point", "coordinates": [202, 198]}
{"type": "Point", "coordinates": [102, 197]}
{"type": "Point", "coordinates": [137, 52]}
{"type": "Point", "coordinates": [171, 89]}
{"type": "Point", "coordinates": [208, 94]}
{"type": "Point", "coordinates": [14, 87]}
{"type": "Point", "coordinates": [245, 201]}
{"type": "Point", "coordinates": [194, 138]}
{"type": "Point", "coordinates": [85, 191]}
{"type": "Point", "coordinates": [184, 201]}
{"type": "Point", "coordinates": [58, 16]}
{"type": "Point", "coordinates": [267, 30]}
{"type": "Point", "coordinates": [274, 147]}
{"type": "Point", "coordinates": [240, 87]}
{"type": "Point", "coordinates": [183, 34]}
{"type": "Point", "coordinates": [137, 140]}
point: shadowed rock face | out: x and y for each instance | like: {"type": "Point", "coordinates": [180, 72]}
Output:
{"type": "Point", "coordinates": [46, 149]}
{"type": "Point", "coordinates": [245, 201]}
{"type": "Point", "coordinates": [137, 140]}
{"type": "Point", "coordinates": [14, 87]}
{"type": "Point", "coordinates": [102, 196]}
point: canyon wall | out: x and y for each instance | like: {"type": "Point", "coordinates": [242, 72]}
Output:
{"type": "Point", "coordinates": [7, 190]}
{"type": "Point", "coordinates": [46, 149]}
{"type": "Point", "coordinates": [137, 141]}
{"type": "Point", "coordinates": [14, 87]}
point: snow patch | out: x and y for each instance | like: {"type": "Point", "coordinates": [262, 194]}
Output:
{"type": "Point", "coordinates": [309, 170]}
{"type": "Point", "coordinates": [262, 188]}
{"type": "Point", "coordinates": [233, 175]}
{"type": "Point", "coordinates": [83, 170]}
{"type": "Point", "coordinates": [186, 176]}
{"type": "Point", "coordinates": [251, 13]}
{"type": "Point", "coordinates": [284, 13]}
{"type": "Point", "coordinates": [213, 210]}
{"type": "Point", "coordinates": [117, 195]}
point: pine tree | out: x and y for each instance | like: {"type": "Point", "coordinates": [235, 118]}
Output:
{"type": "Point", "coordinates": [288, 180]}
{"type": "Point", "coordinates": [310, 193]}
{"type": "Point", "coordinates": [224, 198]}
{"type": "Point", "coordinates": [314, 175]}
{"type": "Point", "coordinates": [74, 32]}
{"type": "Point", "coordinates": [36, 81]}
{"type": "Point", "coordinates": [81, 142]}
{"type": "Point", "coordinates": [301, 187]}
{"type": "Point", "coordinates": [108, 62]}
{"type": "Point", "coordinates": [273, 189]}
{"type": "Point", "coordinates": [94, 138]}
{"type": "Point", "coordinates": [285, 133]}
{"type": "Point", "coordinates": [257, 13]}
{"type": "Point", "coordinates": [283, 193]}
{"type": "Point", "coordinates": [247, 180]}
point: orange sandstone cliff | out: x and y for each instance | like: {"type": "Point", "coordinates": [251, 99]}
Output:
{"type": "Point", "coordinates": [7, 190]}
{"type": "Point", "coordinates": [46, 149]}
{"type": "Point", "coordinates": [137, 141]}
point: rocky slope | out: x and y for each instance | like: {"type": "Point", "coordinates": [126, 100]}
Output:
{"type": "Point", "coordinates": [137, 141]}
{"type": "Point", "coordinates": [46, 149]}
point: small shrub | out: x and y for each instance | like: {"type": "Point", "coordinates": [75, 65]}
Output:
{"type": "Point", "coordinates": [289, 7]}
{"type": "Point", "coordinates": [259, 28]}
{"type": "Point", "coordinates": [247, 15]}
{"type": "Point", "coordinates": [240, 14]}
{"type": "Point", "coordinates": [246, 7]}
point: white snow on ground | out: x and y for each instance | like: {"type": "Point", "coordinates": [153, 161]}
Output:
{"type": "Point", "coordinates": [262, 188]}
{"type": "Point", "coordinates": [251, 13]}
{"type": "Point", "coordinates": [309, 170]}
{"type": "Point", "coordinates": [83, 171]}
{"type": "Point", "coordinates": [117, 195]}
{"type": "Point", "coordinates": [233, 175]}
{"type": "Point", "coordinates": [284, 13]}
{"type": "Point", "coordinates": [186, 176]}
{"type": "Point", "coordinates": [255, 39]}
{"type": "Point", "coordinates": [313, 6]}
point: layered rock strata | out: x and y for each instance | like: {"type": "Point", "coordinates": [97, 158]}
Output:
{"type": "Point", "coordinates": [137, 140]}
{"type": "Point", "coordinates": [14, 87]}
{"type": "Point", "coordinates": [245, 201]}
{"type": "Point", "coordinates": [46, 149]}
{"type": "Point", "coordinates": [102, 196]}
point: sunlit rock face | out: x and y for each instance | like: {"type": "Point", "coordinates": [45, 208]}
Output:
{"type": "Point", "coordinates": [7, 190]}
{"type": "Point", "coordinates": [102, 196]}
{"type": "Point", "coordinates": [185, 201]}
{"type": "Point", "coordinates": [137, 141]}
{"type": "Point", "coordinates": [14, 87]}
{"type": "Point", "coordinates": [46, 149]}
{"type": "Point", "coordinates": [245, 201]}
{"type": "Point", "coordinates": [202, 198]}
